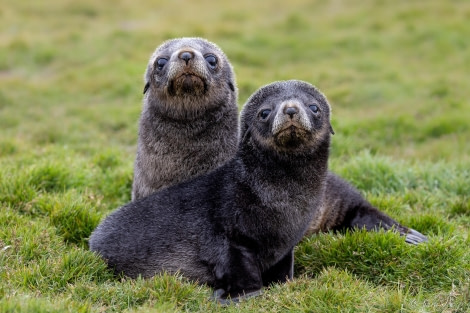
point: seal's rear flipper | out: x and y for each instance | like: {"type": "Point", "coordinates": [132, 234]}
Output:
{"type": "Point", "coordinates": [346, 208]}
{"type": "Point", "coordinates": [230, 300]}
{"type": "Point", "coordinates": [414, 237]}
{"type": "Point", "coordinates": [371, 218]}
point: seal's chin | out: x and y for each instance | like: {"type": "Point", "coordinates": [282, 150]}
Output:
{"type": "Point", "coordinates": [188, 84]}
{"type": "Point", "coordinates": [291, 135]}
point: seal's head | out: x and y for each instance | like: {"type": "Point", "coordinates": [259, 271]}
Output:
{"type": "Point", "coordinates": [288, 117]}
{"type": "Point", "coordinates": [189, 76]}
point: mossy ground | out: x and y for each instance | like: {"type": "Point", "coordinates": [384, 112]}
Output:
{"type": "Point", "coordinates": [396, 74]}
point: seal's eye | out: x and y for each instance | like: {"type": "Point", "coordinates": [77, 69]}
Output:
{"type": "Point", "coordinates": [314, 108]}
{"type": "Point", "coordinates": [211, 60]}
{"type": "Point", "coordinates": [161, 63]}
{"type": "Point", "coordinates": [264, 114]}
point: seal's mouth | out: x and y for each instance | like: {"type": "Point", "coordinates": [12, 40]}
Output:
{"type": "Point", "coordinates": [290, 127]}
{"type": "Point", "coordinates": [291, 134]}
{"type": "Point", "coordinates": [188, 84]}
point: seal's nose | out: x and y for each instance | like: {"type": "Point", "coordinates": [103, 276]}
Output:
{"type": "Point", "coordinates": [291, 111]}
{"type": "Point", "coordinates": [186, 56]}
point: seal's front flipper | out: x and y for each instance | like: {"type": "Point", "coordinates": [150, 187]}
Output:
{"type": "Point", "coordinates": [278, 273]}
{"type": "Point", "coordinates": [238, 276]}
{"type": "Point", "coordinates": [281, 271]}
{"type": "Point", "coordinates": [219, 296]}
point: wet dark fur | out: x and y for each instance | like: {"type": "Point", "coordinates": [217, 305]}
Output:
{"type": "Point", "coordinates": [234, 228]}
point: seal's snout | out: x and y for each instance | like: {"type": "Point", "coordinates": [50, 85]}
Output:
{"type": "Point", "coordinates": [291, 111]}
{"type": "Point", "coordinates": [291, 124]}
{"type": "Point", "coordinates": [187, 74]}
{"type": "Point", "coordinates": [291, 116]}
{"type": "Point", "coordinates": [186, 56]}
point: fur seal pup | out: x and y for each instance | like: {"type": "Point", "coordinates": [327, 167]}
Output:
{"type": "Point", "coordinates": [189, 120]}
{"type": "Point", "coordinates": [234, 228]}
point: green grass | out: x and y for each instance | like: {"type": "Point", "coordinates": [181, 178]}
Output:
{"type": "Point", "coordinates": [396, 74]}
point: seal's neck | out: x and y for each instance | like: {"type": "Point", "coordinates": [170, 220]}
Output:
{"type": "Point", "coordinates": [190, 120]}
{"type": "Point", "coordinates": [286, 168]}
{"type": "Point", "coordinates": [188, 108]}
{"type": "Point", "coordinates": [287, 189]}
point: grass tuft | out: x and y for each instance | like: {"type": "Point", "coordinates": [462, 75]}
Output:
{"type": "Point", "coordinates": [28, 304]}
{"type": "Point", "coordinates": [461, 207]}
{"type": "Point", "coordinates": [7, 147]}
{"type": "Point", "coordinates": [432, 225]}
{"type": "Point", "coordinates": [50, 177]}
{"type": "Point", "coordinates": [384, 258]}
{"type": "Point", "coordinates": [74, 219]}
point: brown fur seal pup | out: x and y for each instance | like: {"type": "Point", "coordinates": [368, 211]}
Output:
{"type": "Point", "coordinates": [189, 121]}
{"type": "Point", "coordinates": [234, 228]}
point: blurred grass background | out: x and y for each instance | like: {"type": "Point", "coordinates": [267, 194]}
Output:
{"type": "Point", "coordinates": [396, 74]}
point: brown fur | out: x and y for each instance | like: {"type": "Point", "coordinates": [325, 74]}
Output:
{"type": "Point", "coordinates": [188, 124]}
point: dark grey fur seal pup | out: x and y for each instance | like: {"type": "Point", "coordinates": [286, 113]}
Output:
{"type": "Point", "coordinates": [189, 120]}
{"type": "Point", "coordinates": [234, 228]}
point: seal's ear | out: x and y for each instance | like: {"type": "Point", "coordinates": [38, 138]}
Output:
{"type": "Point", "coordinates": [331, 130]}
{"type": "Point", "coordinates": [147, 85]}
{"type": "Point", "coordinates": [232, 88]}
{"type": "Point", "coordinates": [247, 134]}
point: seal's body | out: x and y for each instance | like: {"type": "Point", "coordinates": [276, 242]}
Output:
{"type": "Point", "coordinates": [188, 125]}
{"type": "Point", "coordinates": [234, 228]}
